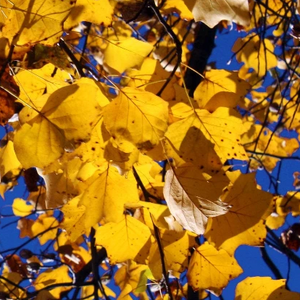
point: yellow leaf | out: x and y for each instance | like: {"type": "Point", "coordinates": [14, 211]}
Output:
{"type": "Point", "coordinates": [133, 235]}
{"type": "Point", "coordinates": [127, 278]}
{"type": "Point", "coordinates": [9, 162]}
{"type": "Point", "coordinates": [65, 108]}
{"type": "Point", "coordinates": [151, 77]}
{"type": "Point", "coordinates": [217, 135]}
{"type": "Point", "coordinates": [193, 197]}
{"type": "Point", "coordinates": [88, 10]}
{"type": "Point", "coordinates": [220, 88]}
{"type": "Point", "coordinates": [179, 7]}
{"type": "Point", "coordinates": [255, 53]}
{"type": "Point", "coordinates": [211, 269]}
{"type": "Point", "coordinates": [212, 12]}
{"type": "Point", "coordinates": [87, 292]}
{"type": "Point", "coordinates": [45, 227]}
{"type": "Point", "coordinates": [30, 22]}
{"type": "Point", "coordinates": [264, 288]}
{"type": "Point", "coordinates": [10, 286]}
{"type": "Point", "coordinates": [136, 117]}
{"type": "Point", "coordinates": [130, 53]}
{"type": "Point", "coordinates": [20, 208]}
{"type": "Point", "coordinates": [244, 222]}
{"type": "Point", "coordinates": [54, 276]}
{"type": "Point", "coordinates": [176, 247]}
{"type": "Point", "coordinates": [39, 144]}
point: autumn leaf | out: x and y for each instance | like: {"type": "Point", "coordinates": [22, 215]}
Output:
{"type": "Point", "coordinates": [211, 269]}
{"type": "Point", "coordinates": [20, 208]}
{"type": "Point", "coordinates": [130, 52]}
{"type": "Point", "coordinates": [136, 117]}
{"type": "Point", "coordinates": [88, 10]}
{"type": "Point", "coordinates": [32, 22]}
{"type": "Point", "coordinates": [244, 222]}
{"type": "Point", "coordinates": [175, 246]}
{"type": "Point", "coordinates": [217, 135]}
{"type": "Point", "coordinates": [52, 277]}
{"type": "Point", "coordinates": [255, 54]}
{"type": "Point", "coordinates": [264, 288]}
{"type": "Point", "coordinates": [192, 197]}
{"type": "Point", "coordinates": [220, 88]}
{"type": "Point", "coordinates": [45, 227]}
{"type": "Point", "coordinates": [212, 12]}
{"type": "Point", "coordinates": [133, 235]}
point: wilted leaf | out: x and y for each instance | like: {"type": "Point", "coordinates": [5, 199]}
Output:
{"type": "Point", "coordinates": [133, 235]}
{"type": "Point", "coordinates": [193, 197]}
{"type": "Point", "coordinates": [212, 12]}
{"type": "Point", "coordinates": [211, 269]}
{"type": "Point", "coordinates": [264, 288]}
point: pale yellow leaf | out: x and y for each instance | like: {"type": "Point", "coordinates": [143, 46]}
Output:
{"type": "Point", "coordinates": [193, 197]}
{"type": "Point", "coordinates": [211, 12]}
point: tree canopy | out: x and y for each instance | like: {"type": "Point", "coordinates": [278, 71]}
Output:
{"type": "Point", "coordinates": [139, 158]}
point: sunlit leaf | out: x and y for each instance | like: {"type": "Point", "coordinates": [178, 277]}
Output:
{"type": "Point", "coordinates": [32, 22]}
{"type": "Point", "coordinates": [54, 276]}
{"type": "Point", "coordinates": [137, 117]}
{"type": "Point", "coordinates": [130, 52]}
{"type": "Point", "coordinates": [220, 88]}
{"type": "Point", "coordinates": [264, 288]}
{"type": "Point", "coordinates": [45, 227]}
{"type": "Point", "coordinates": [20, 208]}
{"type": "Point", "coordinates": [132, 234]}
{"type": "Point", "coordinates": [244, 222]}
{"type": "Point", "coordinates": [211, 269]}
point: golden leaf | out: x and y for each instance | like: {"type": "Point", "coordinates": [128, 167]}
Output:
{"type": "Point", "coordinates": [54, 276]}
{"type": "Point", "coordinates": [136, 117]}
{"type": "Point", "coordinates": [133, 235]}
{"type": "Point", "coordinates": [211, 269]}
{"type": "Point", "coordinates": [264, 288]}
{"type": "Point", "coordinates": [244, 222]}
{"type": "Point", "coordinates": [20, 208]}
{"type": "Point", "coordinates": [220, 88]}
